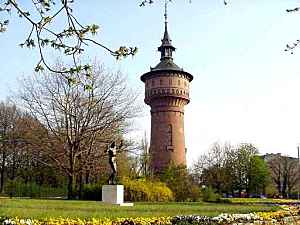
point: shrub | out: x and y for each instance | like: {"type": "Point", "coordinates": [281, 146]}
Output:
{"type": "Point", "coordinates": [143, 190]}
{"type": "Point", "coordinates": [180, 182]}
{"type": "Point", "coordinates": [194, 194]}
{"type": "Point", "coordinates": [17, 188]}
{"type": "Point", "coordinates": [92, 192]}
{"type": "Point", "coordinates": [210, 196]}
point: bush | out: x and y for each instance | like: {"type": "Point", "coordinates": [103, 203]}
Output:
{"type": "Point", "coordinates": [194, 193]}
{"type": "Point", "coordinates": [17, 188]}
{"type": "Point", "coordinates": [143, 190]}
{"type": "Point", "coordinates": [210, 196]}
{"type": "Point", "coordinates": [92, 192]}
{"type": "Point", "coordinates": [180, 182]}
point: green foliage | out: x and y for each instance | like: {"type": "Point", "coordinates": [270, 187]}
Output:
{"type": "Point", "coordinates": [180, 182]}
{"type": "Point", "coordinates": [209, 195]}
{"type": "Point", "coordinates": [92, 192]}
{"type": "Point", "coordinates": [271, 191]}
{"type": "Point", "coordinates": [258, 175]}
{"type": "Point", "coordinates": [143, 190]}
{"type": "Point", "coordinates": [17, 188]}
{"type": "Point", "coordinates": [230, 169]}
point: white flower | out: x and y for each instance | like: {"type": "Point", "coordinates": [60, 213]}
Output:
{"type": "Point", "coordinates": [8, 222]}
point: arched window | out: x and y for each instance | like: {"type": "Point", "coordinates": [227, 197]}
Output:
{"type": "Point", "coordinates": [170, 135]}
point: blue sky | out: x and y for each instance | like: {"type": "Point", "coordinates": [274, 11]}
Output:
{"type": "Point", "coordinates": [245, 87]}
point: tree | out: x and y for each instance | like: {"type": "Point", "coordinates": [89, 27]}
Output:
{"type": "Point", "coordinates": [10, 141]}
{"type": "Point", "coordinates": [142, 159]}
{"type": "Point", "coordinates": [210, 168]}
{"type": "Point", "coordinates": [241, 166]}
{"type": "Point", "coordinates": [80, 122]}
{"type": "Point", "coordinates": [8, 117]}
{"type": "Point", "coordinates": [284, 172]}
{"type": "Point", "coordinates": [258, 175]}
{"type": "Point", "coordinates": [17, 163]}
{"type": "Point", "coordinates": [228, 170]}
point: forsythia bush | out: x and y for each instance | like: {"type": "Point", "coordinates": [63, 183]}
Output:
{"type": "Point", "coordinates": [142, 190]}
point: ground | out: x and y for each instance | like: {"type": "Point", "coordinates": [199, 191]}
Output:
{"type": "Point", "coordinates": [29, 208]}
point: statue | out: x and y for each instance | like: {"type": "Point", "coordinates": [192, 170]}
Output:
{"type": "Point", "coordinates": [112, 154]}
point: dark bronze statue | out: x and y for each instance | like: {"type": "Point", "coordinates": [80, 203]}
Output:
{"type": "Point", "coordinates": [112, 156]}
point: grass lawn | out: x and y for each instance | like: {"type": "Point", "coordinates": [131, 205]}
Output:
{"type": "Point", "coordinates": [28, 208]}
{"type": "Point", "coordinates": [261, 201]}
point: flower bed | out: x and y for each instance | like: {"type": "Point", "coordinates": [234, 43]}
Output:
{"type": "Point", "coordinates": [287, 215]}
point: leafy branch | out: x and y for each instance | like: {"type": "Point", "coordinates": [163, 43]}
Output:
{"type": "Point", "coordinates": [71, 40]}
{"type": "Point", "coordinates": [290, 47]}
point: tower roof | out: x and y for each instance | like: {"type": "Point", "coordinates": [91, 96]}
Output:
{"type": "Point", "coordinates": [166, 49]}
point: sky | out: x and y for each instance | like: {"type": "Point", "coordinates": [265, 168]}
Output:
{"type": "Point", "coordinates": [246, 88]}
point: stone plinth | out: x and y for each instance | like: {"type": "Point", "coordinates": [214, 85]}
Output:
{"type": "Point", "coordinates": [113, 194]}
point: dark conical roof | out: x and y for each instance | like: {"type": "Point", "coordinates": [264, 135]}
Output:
{"type": "Point", "coordinates": [166, 41]}
{"type": "Point", "coordinates": [166, 60]}
{"type": "Point", "coordinates": [166, 48]}
{"type": "Point", "coordinates": [166, 64]}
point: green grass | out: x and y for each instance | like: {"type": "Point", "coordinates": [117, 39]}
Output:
{"type": "Point", "coordinates": [28, 208]}
{"type": "Point", "coordinates": [261, 201]}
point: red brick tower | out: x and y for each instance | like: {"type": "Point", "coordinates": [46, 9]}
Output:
{"type": "Point", "coordinates": [167, 92]}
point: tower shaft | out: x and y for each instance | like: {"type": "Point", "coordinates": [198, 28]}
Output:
{"type": "Point", "coordinates": [167, 144]}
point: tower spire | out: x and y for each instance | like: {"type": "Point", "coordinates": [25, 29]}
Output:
{"type": "Point", "coordinates": [166, 12]}
{"type": "Point", "coordinates": [166, 47]}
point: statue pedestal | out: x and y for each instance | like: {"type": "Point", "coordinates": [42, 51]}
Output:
{"type": "Point", "coordinates": [114, 194]}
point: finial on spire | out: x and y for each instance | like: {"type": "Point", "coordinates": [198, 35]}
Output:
{"type": "Point", "coordinates": [166, 11]}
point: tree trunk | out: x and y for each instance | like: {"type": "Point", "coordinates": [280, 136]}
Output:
{"type": "Point", "coordinates": [13, 172]}
{"type": "Point", "coordinates": [80, 185]}
{"type": "Point", "coordinates": [284, 187]}
{"type": "Point", "coordinates": [70, 187]}
{"type": "Point", "coordinates": [2, 172]}
{"type": "Point", "coordinates": [87, 176]}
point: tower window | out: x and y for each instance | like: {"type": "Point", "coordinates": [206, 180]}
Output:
{"type": "Point", "coordinates": [160, 81]}
{"type": "Point", "coordinates": [153, 82]}
{"type": "Point", "coordinates": [170, 81]}
{"type": "Point", "coordinates": [168, 52]}
{"type": "Point", "coordinates": [178, 82]}
{"type": "Point", "coordinates": [170, 138]}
